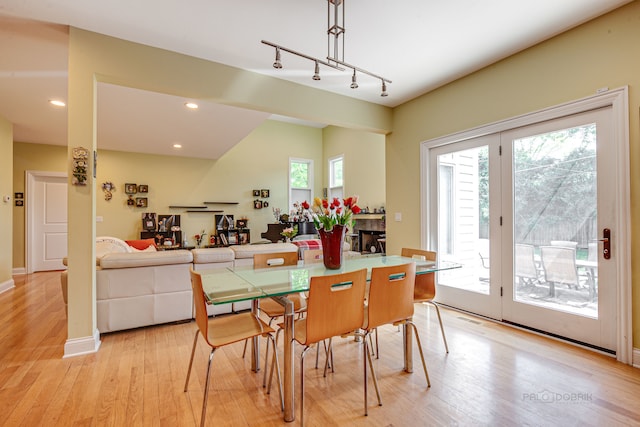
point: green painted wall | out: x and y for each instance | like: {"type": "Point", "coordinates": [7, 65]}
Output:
{"type": "Point", "coordinates": [573, 65]}
{"type": "Point", "coordinates": [6, 208]}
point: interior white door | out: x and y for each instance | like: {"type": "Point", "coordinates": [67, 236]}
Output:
{"type": "Point", "coordinates": [47, 221]}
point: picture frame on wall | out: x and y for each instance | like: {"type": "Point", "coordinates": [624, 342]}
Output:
{"type": "Point", "coordinates": [168, 223]}
{"type": "Point", "coordinates": [256, 193]}
{"type": "Point", "coordinates": [130, 188]}
{"type": "Point", "coordinates": [141, 202]}
{"type": "Point", "coordinates": [264, 193]}
{"type": "Point", "coordinates": [257, 204]}
{"type": "Point", "coordinates": [143, 188]}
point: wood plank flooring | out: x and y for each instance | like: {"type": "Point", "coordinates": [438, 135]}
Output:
{"type": "Point", "coordinates": [493, 376]}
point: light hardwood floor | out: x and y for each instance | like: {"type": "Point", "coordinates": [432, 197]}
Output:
{"type": "Point", "coordinates": [493, 376]}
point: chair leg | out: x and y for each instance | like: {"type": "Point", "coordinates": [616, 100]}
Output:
{"type": "Point", "coordinates": [203, 417]}
{"type": "Point", "coordinates": [424, 365]}
{"type": "Point", "coordinates": [245, 348]}
{"type": "Point", "coordinates": [277, 367]}
{"type": "Point", "coordinates": [367, 358]}
{"type": "Point", "coordinates": [302, 384]}
{"type": "Point", "coordinates": [444, 337]}
{"type": "Point", "coordinates": [193, 351]}
{"type": "Point", "coordinates": [273, 362]}
{"type": "Point", "coordinates": [329, 354]}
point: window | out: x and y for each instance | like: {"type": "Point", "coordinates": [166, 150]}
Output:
{"type": "Point", "coordinates": [336, 174]}
{"type": "Point", "coordinates": [300, 181]}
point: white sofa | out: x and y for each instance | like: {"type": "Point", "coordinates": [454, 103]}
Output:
{"type": "Point", "coordinates": [140, 288]}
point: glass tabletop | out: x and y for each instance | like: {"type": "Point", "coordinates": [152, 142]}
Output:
{"type": "Point", "coordinates": [245, 283]}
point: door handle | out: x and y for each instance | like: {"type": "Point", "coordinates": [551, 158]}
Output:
{"type": "Point", "coordinates": [606, 243]}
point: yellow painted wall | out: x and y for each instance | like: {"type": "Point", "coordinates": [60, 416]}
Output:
{"type": "Point", "coordinates": [573, 65]}
{"type": "Point", "coordinates": [96, 58]}
{"type": "Point", "coordinates": [6, 208]}
{"type": "Point", "coordinates": [260, 161]}
{"type": "Point", "coordinates": [364, 170]}
{"type": "Point", "coordinates": [32, 157]}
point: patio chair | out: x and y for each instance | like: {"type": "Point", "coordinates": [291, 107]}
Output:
{"type": "Point", "coordinates": [526, 270]}
{"type": "Point", "coordinates": [559, 264]}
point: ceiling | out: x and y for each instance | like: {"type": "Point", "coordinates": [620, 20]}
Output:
{"type": "Point", "coordinates": [417, 44]}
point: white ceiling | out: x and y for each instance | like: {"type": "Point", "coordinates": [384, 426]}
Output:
{"type": "Point", "coordinates": [418, 44]}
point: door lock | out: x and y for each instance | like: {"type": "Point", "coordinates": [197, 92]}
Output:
{"type": "Point", "coordinates": [606, 243]}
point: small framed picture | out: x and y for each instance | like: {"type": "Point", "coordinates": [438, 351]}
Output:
{"type": "Point", "coordinates": [256, 193]}
{"type": "Point", "coordinates": [143, 188]}
{"type": "Point", "coordinates": [141, 202]}
{"type": "Point", "coordinates": [130, 188]}
{"type": "Point", "coordinates": [264, 193]}
{"type": "Point", "coordinates": [18, 196]}
{"type": "Point", "coordinates": [149, 221]}
{"type": "Point", "coordinates": [265, 204]}
{"type": "Point", "coordinates": [241, 223]}
{"type": "Point", "coordinates": [130, 201]}
{"type": "Point", "coordinates": [257, 204]}
{"type": "Point", "coordinates": [19, 202]}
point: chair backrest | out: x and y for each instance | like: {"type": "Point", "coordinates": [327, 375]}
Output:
{"type": "Point", "coordinates": [559, 264]}
{"type": "Point", "coordinates": [312, 256]}
{"type": "Point", "coordinates": [425, 284]}
{"type": "Point", "coordinates": [202, 318]}
{"type": "Point", "coordinates": [275, 259]}
{"type": "Point", "coordinates": [390, 294]}
{"type": "Point", "coordinates": [525, 264]}
{"type": "Point", "coordinates": [564, 243]}
{"type": "Point", "coordinates": [335, 305]}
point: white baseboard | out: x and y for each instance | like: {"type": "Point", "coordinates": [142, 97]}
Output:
{"type": "Point", "coordinates": [636, 358]}
{"type": "Point", "coordinates": [80, 346]}
{"type": "Point", "coordinates": [19, 270]}
{"type": "Point", "coordinates": [5, 286]}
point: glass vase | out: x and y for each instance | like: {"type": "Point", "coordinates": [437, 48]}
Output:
{"type": "Point", "coordinates": [332, 246]}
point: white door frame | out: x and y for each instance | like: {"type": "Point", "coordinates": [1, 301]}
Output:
{"type": "Point", "coordinates": [618, 99]}
{"type": "Point", "coordinates": [31, 178]}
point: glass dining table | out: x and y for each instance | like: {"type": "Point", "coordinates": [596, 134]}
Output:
{"type": "Point", "coordinates": [234, 284]}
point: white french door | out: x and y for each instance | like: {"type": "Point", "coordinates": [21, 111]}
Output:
{"type": "Point", "coordinates": [524, 210]}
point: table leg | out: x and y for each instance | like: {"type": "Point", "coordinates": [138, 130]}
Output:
{"type": "Point", "coordinates": [255, 342]}
{"type": "Point", "coordinates": [288, 389]}
{"type": "Point", "coordinates": [407, 340]}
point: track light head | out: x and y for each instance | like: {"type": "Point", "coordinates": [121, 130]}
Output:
{"type": "Point", "coordinates": [277, 64]}
{"type": "Point", "coordinates": [316, 72]}
{"type": "Point", "coordinates": [354, 83]}
{"type": "Point", "coordinates": [384, 89]}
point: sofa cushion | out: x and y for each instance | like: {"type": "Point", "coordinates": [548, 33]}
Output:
{"type": "Point", "coordinates": [212, 255]}
{"type": "Point", "coordinates": [248, 251]}
{"type": "Point", "coordinates": [141, 244]}
{"type": "Point", "coordinates": [143, 259]}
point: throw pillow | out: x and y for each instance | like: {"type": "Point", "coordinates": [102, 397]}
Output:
{"type": "Point", "coordinates": [141, 244]}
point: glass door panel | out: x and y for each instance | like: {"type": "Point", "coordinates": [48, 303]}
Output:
{"type": "Point", "coordinates": [555, 220]}
{"type": "Point", "coordinates": [463, 224]}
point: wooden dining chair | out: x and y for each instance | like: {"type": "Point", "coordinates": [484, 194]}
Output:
{"type": "Point", "coordinates": [425, 285]}
{"type": "Point", "coordinates": [335, 307]}
{"type": "Point", "coordinates": [221, 331]}
{"type": "Point", "coordinates": [269, 307]}
{"type": "Point", "coordinates": [390, 301]}
{"type": "Point", "coordinates": [312, 256]}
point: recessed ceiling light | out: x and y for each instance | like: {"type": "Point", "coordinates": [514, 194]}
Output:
{"type": "Point", "coordinates": [57, 102]}
{"type": "Point", "coordinates": [191, 105]}
{"type": "Point", "coordinates": [177, 145]}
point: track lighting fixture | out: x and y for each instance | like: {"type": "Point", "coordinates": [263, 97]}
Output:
{"type": "Point", "coordinates": [384, 89]}
{"type": "Point", "coordinates": [335, 59]}
{"type": "Point", "coordinates": [277, 63]}
{"type": "Point", "coordinates": [354, 83]}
